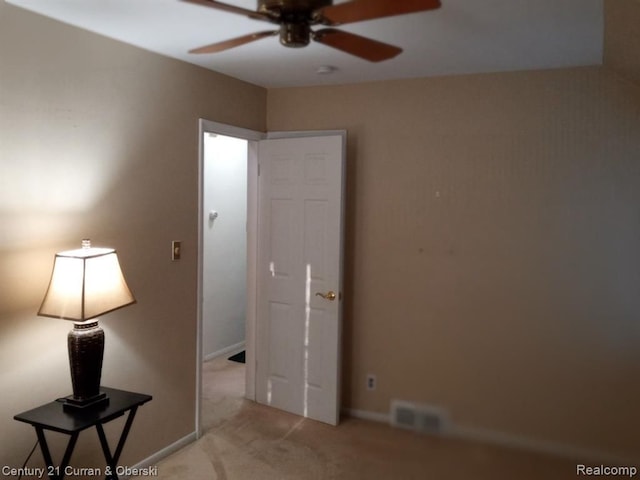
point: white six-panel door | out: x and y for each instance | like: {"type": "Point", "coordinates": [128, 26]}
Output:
{"type": "Point", "coordinates": [299, 267]}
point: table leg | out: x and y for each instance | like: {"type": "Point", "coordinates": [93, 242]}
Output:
{"type": "Point", "coordinates": [112, 461]}
{"type": "Point", "coordinates": [125, 433]}
{"type": "Point", "coordinates": [55, 473]}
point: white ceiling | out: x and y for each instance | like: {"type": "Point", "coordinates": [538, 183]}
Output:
{"type": "Point", "coordinates": [463, 36]}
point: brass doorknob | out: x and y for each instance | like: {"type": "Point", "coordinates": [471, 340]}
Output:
{"type": "Point", "coordinates": [330, 295]}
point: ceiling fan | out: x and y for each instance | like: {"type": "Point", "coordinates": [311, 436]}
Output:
{"type": "Point", "coordinates": [296, 17]}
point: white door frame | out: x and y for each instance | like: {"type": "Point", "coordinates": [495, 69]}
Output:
{"type": "Point", "coordinates": [252, 137]}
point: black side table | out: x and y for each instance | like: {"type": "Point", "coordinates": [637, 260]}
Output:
{"type": "Point", "coordinates": [51, 416]}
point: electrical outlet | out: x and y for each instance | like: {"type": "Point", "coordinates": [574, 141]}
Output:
{"type": "Point", "coordinates": [372, 382]}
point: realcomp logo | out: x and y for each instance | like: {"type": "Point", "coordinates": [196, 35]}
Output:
{"type": "Point", "coordinates": [605, 471]}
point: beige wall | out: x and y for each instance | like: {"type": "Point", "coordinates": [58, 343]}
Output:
{"type": "Point", "coordinates": [493, 265]}
{"type": "Point", "coordinates": [622, 37]}
{"type": "Point", "coordinates": [99, 139]}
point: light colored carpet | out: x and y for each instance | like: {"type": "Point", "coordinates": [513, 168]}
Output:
{"type": "Point", "coordinates": [246, 441]}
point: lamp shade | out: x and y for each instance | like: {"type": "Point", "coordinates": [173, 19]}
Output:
{"type": "Point", "coordinates": [85, 284]}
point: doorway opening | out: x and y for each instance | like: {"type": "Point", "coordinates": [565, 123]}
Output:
{"type": "Point", "coordinates": [226, 286]}
{"type": "Point", "coordinates": [224, 275]}
{"type": "Point", "coordinates": [224, 239]}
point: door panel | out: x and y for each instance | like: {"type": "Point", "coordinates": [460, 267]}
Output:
{"type": "Point", "coordinates": [281, 214]}
{"type": "Point", "coordinates": [299, 255]}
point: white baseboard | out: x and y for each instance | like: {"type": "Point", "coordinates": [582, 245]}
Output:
{"type": "Point", "coordinates": [165, 452]}
{"type": "Point", "coordinates": [533, 445]}
{"type": "Point", "coordinates": [230, 350]}
{"type": "Point", "coordinates": [365, 415]}
{"type": "Point", "coordinates": [510, 441]}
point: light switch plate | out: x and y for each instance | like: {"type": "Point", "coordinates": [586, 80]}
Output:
{"type": "Point", "coordinates": [176, 250]}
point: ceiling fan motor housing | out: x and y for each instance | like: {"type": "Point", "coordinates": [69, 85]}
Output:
{"type": "Point", "coordinates": [295, 35]}
{"type": "Point", "coordinates": [295, 17]}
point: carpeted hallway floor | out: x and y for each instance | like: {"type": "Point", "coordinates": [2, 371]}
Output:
{"type": "Point", "coordinates": [247, 441]}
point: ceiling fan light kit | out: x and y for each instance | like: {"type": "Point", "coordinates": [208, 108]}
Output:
{"type": "Point", "coordinates": [296, 17]}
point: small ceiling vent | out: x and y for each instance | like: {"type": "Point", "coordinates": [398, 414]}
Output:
{"type": "Point", "coordinates": [419, 417]}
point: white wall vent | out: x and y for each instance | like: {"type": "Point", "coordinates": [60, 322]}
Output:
{"type": "Point", "coordinates": [419, 417]}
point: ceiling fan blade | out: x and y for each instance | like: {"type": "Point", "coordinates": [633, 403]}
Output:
{"type": "Point", "coordinates": [233, 9]}
{"type": "Point", "coordinates": [234, 42]}
{"type": "Point", "coordinates": [359, 10]}
{"type": "Point", "coordinates": [353, 44]}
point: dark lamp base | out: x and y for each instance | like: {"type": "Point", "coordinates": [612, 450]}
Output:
{"type": "Point", "coordinates": [70, 404]}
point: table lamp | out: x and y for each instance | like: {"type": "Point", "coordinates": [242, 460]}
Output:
{"type": "Point", "coordinates": [85, 283]}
